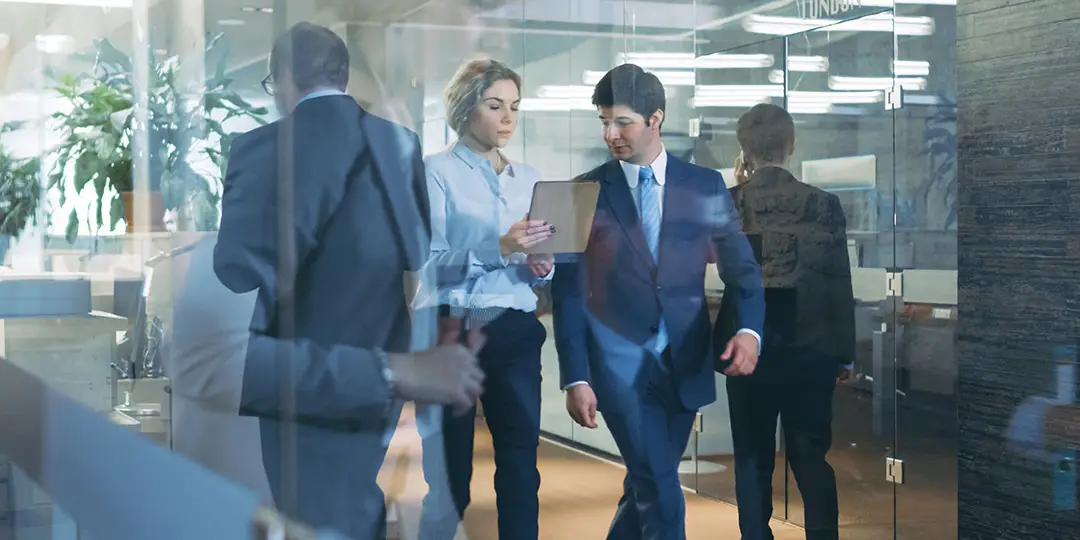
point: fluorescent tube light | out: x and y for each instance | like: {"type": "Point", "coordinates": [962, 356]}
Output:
{"type": "Point", "coordinates": [748, 95]}
{"type": "Point", "coordinates": [53, 43]}
{"type": "Point", "coordinates": [819, 64]}
{"type": "Point", "coordinates": [882, 22]}
{"type": "Point", "coordinates": [911, 68]}
{"type": "Point", "coordinates": [875, 83]}
{"type": "Point", "coordinates": [667, 78]}
{"type": "Point", "coordinates": [551, 91]}
{"type": "Point", "coordinates": [657, 60]}
{"type": "Point", "coordinates": [893, 3]}
{"type": "Point", "coordinates": [556, 104]}
{"type": "Point", "coordinates": [75, 3]}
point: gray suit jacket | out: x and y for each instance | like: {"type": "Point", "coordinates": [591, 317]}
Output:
{"type": "Point", "coordinates": [324, 213]}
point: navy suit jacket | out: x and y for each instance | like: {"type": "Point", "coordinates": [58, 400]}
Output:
{"type": "Point", "coordinates": [608, 301]}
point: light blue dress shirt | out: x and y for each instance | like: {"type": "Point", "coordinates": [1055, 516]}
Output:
{"type": "Point", "coordinates": [472, 206]}
{"type": "Point", "coordinates": [319, 94]}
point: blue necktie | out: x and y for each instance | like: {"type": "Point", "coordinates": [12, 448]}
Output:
{"type": "Point", "coordinates": [649, 199]}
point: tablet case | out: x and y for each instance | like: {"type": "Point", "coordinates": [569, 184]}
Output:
{"type": "Point", "coordinates": [570, 207]}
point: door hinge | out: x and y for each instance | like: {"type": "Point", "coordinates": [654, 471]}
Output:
{"type": "Point", "coordinates": [894, 470]}
{"type": "Point", "coordinates": [894, 98]}
{"type": "Point", "coordinates": [698, 423]}
{"type": "Point", "coordinates": [894, 284]}
{"type": "Point", "coordinates": [695, 128]}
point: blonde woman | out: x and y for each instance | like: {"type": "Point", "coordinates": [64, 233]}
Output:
{"type": "Point", "coordinates": [480, 234]}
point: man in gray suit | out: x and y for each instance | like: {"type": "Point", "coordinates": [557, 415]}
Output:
{"type": "Point", "coordinates": [324, 212]}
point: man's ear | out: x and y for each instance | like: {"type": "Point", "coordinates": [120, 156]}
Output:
{"type": "Point", "coordinates": [656, 119]}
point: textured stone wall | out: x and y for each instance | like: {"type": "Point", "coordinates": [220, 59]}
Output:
{"type": "Point", "coordinates": [1019, 129]}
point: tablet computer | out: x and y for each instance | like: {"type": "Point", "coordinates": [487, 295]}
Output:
{"type": "Point", "coordinates": [570, 207]}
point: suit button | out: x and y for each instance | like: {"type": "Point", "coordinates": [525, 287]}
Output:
{"type": "Point", "coordinates": [657, 288]}
{"type": "Point", "coordinates": [654, 328]}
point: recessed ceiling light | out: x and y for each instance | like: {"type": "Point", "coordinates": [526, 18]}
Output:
{"type": "Point", "coordinates": [232, 22]}
{"type": "Point", "coordinates": [52, 43]}
{"type": "Point", "coordinates": [252, 9]}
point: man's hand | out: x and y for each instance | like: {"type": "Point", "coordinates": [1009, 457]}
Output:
{"type": "Point", "coordinates": [581, 404]}
{"type": "Point", "coordinates": [846, 373]}
{"type": "Point", "coordinates": [541, 264]}
{"type": "Point", "coordinates": [742, 351]}
{"type": "Point", "coordinates": [448, 374]}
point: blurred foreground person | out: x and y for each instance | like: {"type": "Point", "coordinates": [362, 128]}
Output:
{"type": "Point", "coordinates": [800, 236]}
{"type": "Point", "coordinates": [205, 357]}
{"type": "Point", "coordinates": [324, 212]}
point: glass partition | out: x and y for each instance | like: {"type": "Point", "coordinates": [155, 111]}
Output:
{"type": "Point", "coordinates": [123, 113]}
{"type": "Point", "coordinates": [836, 80]}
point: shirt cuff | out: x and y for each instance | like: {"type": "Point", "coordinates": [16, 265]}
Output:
{"type": "Point", "coordinates": [573, 384]}
{"type": "Point", "coordinates": [756, 335]}
{"type": "Point", "coordinates": [549, 276]}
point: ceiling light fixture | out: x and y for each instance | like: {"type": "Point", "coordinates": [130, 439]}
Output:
{"type": "Point", "coordinates": [817, 64]}
{"type": "Point", "coordinates": [75, 3]}
{"type": "Point", "coordinates": [253, 9]}
{"type": "Point", "coordinates": [53, 43]}
{"type": "Point", "coordinates": [659, 60]}
{"type": "Point", "coordinates": [232, 22]}
{"type": "Point", "coordinates": [911, 68]}
{"type": "Point", "coordinates": [876, 83]}
{"type": "Point", "coordinates": [556, 104]}
{"type": "Point", "coordinates": [667, 78]}
{"type": "Point", "coordinates": [893, 3]}
{"type": "Point", "coordinates": [882, 22]}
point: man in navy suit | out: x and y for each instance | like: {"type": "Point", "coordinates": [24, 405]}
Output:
{"type": "Point", "coordinates": [632, 325]}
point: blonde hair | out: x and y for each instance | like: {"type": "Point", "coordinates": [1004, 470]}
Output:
{"type": "Point", "coordinates": [466, 89]}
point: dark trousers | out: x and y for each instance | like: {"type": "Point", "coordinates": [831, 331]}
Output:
{"type": "Point", "coordinates": [651, 432]}
{"type": "Point", "coordinates": [798, 388]}
{"type": "Point", "coordinates": [511, 363]}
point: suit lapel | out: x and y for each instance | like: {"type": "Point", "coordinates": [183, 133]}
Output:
{"type": "Point", "coordinates": [617, 193]}
{"type": "Point", "coordinates": [395, 170]}
{"type": "Point", "coordinates": [678, 199]}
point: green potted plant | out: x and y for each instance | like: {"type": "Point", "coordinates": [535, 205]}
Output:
{"type": "Point", "coordinates": [20, 192]}
{"type": "Point", "coordinates": [99, 128]}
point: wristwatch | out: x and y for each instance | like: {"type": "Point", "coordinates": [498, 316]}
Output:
{"type": "Point", "coordinates": [386, 371]}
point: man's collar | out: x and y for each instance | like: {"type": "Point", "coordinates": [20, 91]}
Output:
{"type": "Point", "coordinates": [319, 94]}
{"type": "Point", "coordinates": [659, 167]}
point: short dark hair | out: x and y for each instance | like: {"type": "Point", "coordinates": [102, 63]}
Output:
{"type": "Point", "coordinates": [630, 86]}
{"type": "Point", "coordinates": [766, 133]}
{"type": "Point", "coordinates": [314, 55]}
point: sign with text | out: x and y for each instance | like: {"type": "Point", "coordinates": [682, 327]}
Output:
{"type": "Point", "coordinates": [820, 9]}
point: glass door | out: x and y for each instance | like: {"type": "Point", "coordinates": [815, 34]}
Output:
{"type": "Point", "coordinates": [925, 243]}
{"type": "Point", "coordinates": [836, 79]}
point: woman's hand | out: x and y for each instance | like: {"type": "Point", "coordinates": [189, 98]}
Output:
{"type": "Point", "coordinates": [523, 235]}
{"type": "Point", "coordinates": [541, 264]}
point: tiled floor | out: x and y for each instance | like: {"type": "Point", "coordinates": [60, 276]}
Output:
{"type": "Point", "coordinates": [577, 496]}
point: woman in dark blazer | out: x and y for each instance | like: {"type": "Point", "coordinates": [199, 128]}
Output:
{"type": "Point", "coordinates": [799, 235]}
